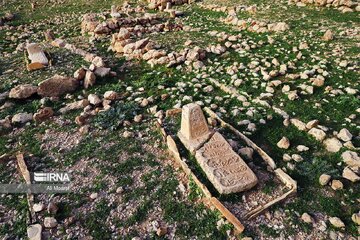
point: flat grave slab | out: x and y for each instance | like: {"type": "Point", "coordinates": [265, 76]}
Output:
{"type": "Point", "coordinates": [225, 169]}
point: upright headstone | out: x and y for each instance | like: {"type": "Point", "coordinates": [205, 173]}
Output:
{"type": "Point", "coordinates": [36, 55]}
{"type": "Point", "coordinates": [194, 129]}
{"type": "Point", "coordinates": [225, 169]}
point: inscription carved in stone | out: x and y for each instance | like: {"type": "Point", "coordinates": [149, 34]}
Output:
{"type": "Point", "coordinates": [225, 169]}
{"type": "Point", "coordinates": [194, 129]}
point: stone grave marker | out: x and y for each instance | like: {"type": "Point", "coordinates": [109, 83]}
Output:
{"type": "Point", "coordinates": [36, 55]}
{"type": "Point", "coordinates": [225, 169]}
{"type": "Point", "coordinates": [194, 129]}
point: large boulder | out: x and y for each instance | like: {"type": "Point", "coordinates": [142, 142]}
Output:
{"type": "Point", "coordinates": [22, 91]}
{"type": "Point", "coordinates": [57, 86]}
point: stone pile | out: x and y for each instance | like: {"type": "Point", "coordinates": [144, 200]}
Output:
{"type": "Point", "coordinates": [225, 169]}
{"type": "Point", "coordinates": [147, 50]}
{"type": "Point", "coordinates": [255, 26]}
{"type": "Point", "coordinates": [342, 5]}
{"type": "Point", "coordinates": [90, 24]}
{"type": "Point", "coordinates": [86, 76]}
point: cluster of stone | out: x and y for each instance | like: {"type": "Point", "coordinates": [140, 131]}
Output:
{"type": "Point", "coordinates": [166, 4]}
{"type": "Point", "coordinates": [150, 52]}
{"type": "Point", "coordinates": [342, 5]}
{"type": "Point", "coordinates": [121, 19]}
{"type": "Point", "coordinates": [91, 24]}
{"type": "Point", "coordinates": [57, 86]}
{"type": "Point", "coordinates": [85, 76]}
{"type": "Point", "coordinates": [332, 144]}
{"type": "Point", "coordinates": [225, 169]}
{"type": "Point", "coordinates": [254, 25]}
{"type": "Point", "coordinates": [231, 10]}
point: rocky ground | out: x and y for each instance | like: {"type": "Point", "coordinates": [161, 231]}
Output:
{"type": "Point", "coordinates": [286, 74]}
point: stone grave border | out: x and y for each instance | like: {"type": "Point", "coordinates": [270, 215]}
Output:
{"type": "Point", "coordinates": [212, 201]}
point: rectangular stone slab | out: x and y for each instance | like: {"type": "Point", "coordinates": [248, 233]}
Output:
{"type": "Point", "coordinates": [36, 55]}
{"type": "Point", "coordinates": [225, 169]}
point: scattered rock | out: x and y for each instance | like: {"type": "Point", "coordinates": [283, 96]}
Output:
{"type": "Point", "coordinates": [43, 114]}
{"type": "Point", "coordinates": [307, 218]}
{"type": "Point", "coordinates": [80, 120]}
{"type": "Point", "coordinates": [57, 86]}
{"type": "Point", "coordinates": [312, 124]}
{"type": "Point", "coordinates": [23, 91]}
{"type": "Point", "coordinates": [337, 185]}
{"type": "Point", "coordinates": [94, 99]}
{"type": "Point", "coordinates": [50, 222]}
{"type": "Point", "coordinates": [5, 124]}
{"type": "Point", "coordinates": [38, 207]}
{"type": "Point", "coordinates": [138, 118]}
{"type": "Point", "coordinates": [36, 55]}
{"type": "Point", "coordinates": [22, 118]}
{"type": "Point", "coordinates": [80, 74]}
{"type": "Point", "coordinates": [332, 144]}
{"type": "Point", "coordinates": [74, 106]}
{"type": "Point", "coordinates": [344, 135]}
{"type": "Point", "coordinates": [128, 134]}
{"type": "Point", "coordinates": [324, 179]}
{"type": "Point", "coordinates": [284, 143]}
{"type": "Point", "coordinates": [102, 71]}
{"type": "Point", "coordinates": [356, 218]}
{"type": "Point", "coordinates": [89, 80]}
{"type": "Point", "coordinates": [34, 232]}
{"type": "Point", "coordinates": [161, 231]}
{"type": "Point", "coordinates": [111, 95]}
{"type": "Point", "coordinates": [328, 36]}
{"type": "Point", "coordinates": [297, 158]}
{"type": "Point", "coordinates": [336, 222]}
{"type": "Point", "coordinates": [351, 158]}
{"type": "Point", "coordinates": [318, 134]}
{"type": "Point", "coordinates": [94, 196]}
{"type": "Point", "coordinates": [350, 175]}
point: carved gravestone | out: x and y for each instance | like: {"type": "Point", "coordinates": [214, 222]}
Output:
{"type": "Point", "coordinates": [194, 129]}
{"type": "Point", "coordinates": [36, 55]}
{"type": "Point", "coordinates": [224, 168]}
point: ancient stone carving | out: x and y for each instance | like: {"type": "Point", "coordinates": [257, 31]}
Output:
{"type": "Point", "coordinates": [225, 169]}
{"type": "Point", "coordinates": [194, 129]}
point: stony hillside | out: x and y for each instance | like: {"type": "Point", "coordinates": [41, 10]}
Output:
{"type": "Point", "coordinates": [139, 101]}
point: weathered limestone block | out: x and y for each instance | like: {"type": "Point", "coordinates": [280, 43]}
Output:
{"type": "Point", "coordinates": [225, 169]}
{"type": "Point", "coordinates": [36, 55]}
{"type": "Point", "coordinates": [194, 129]}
